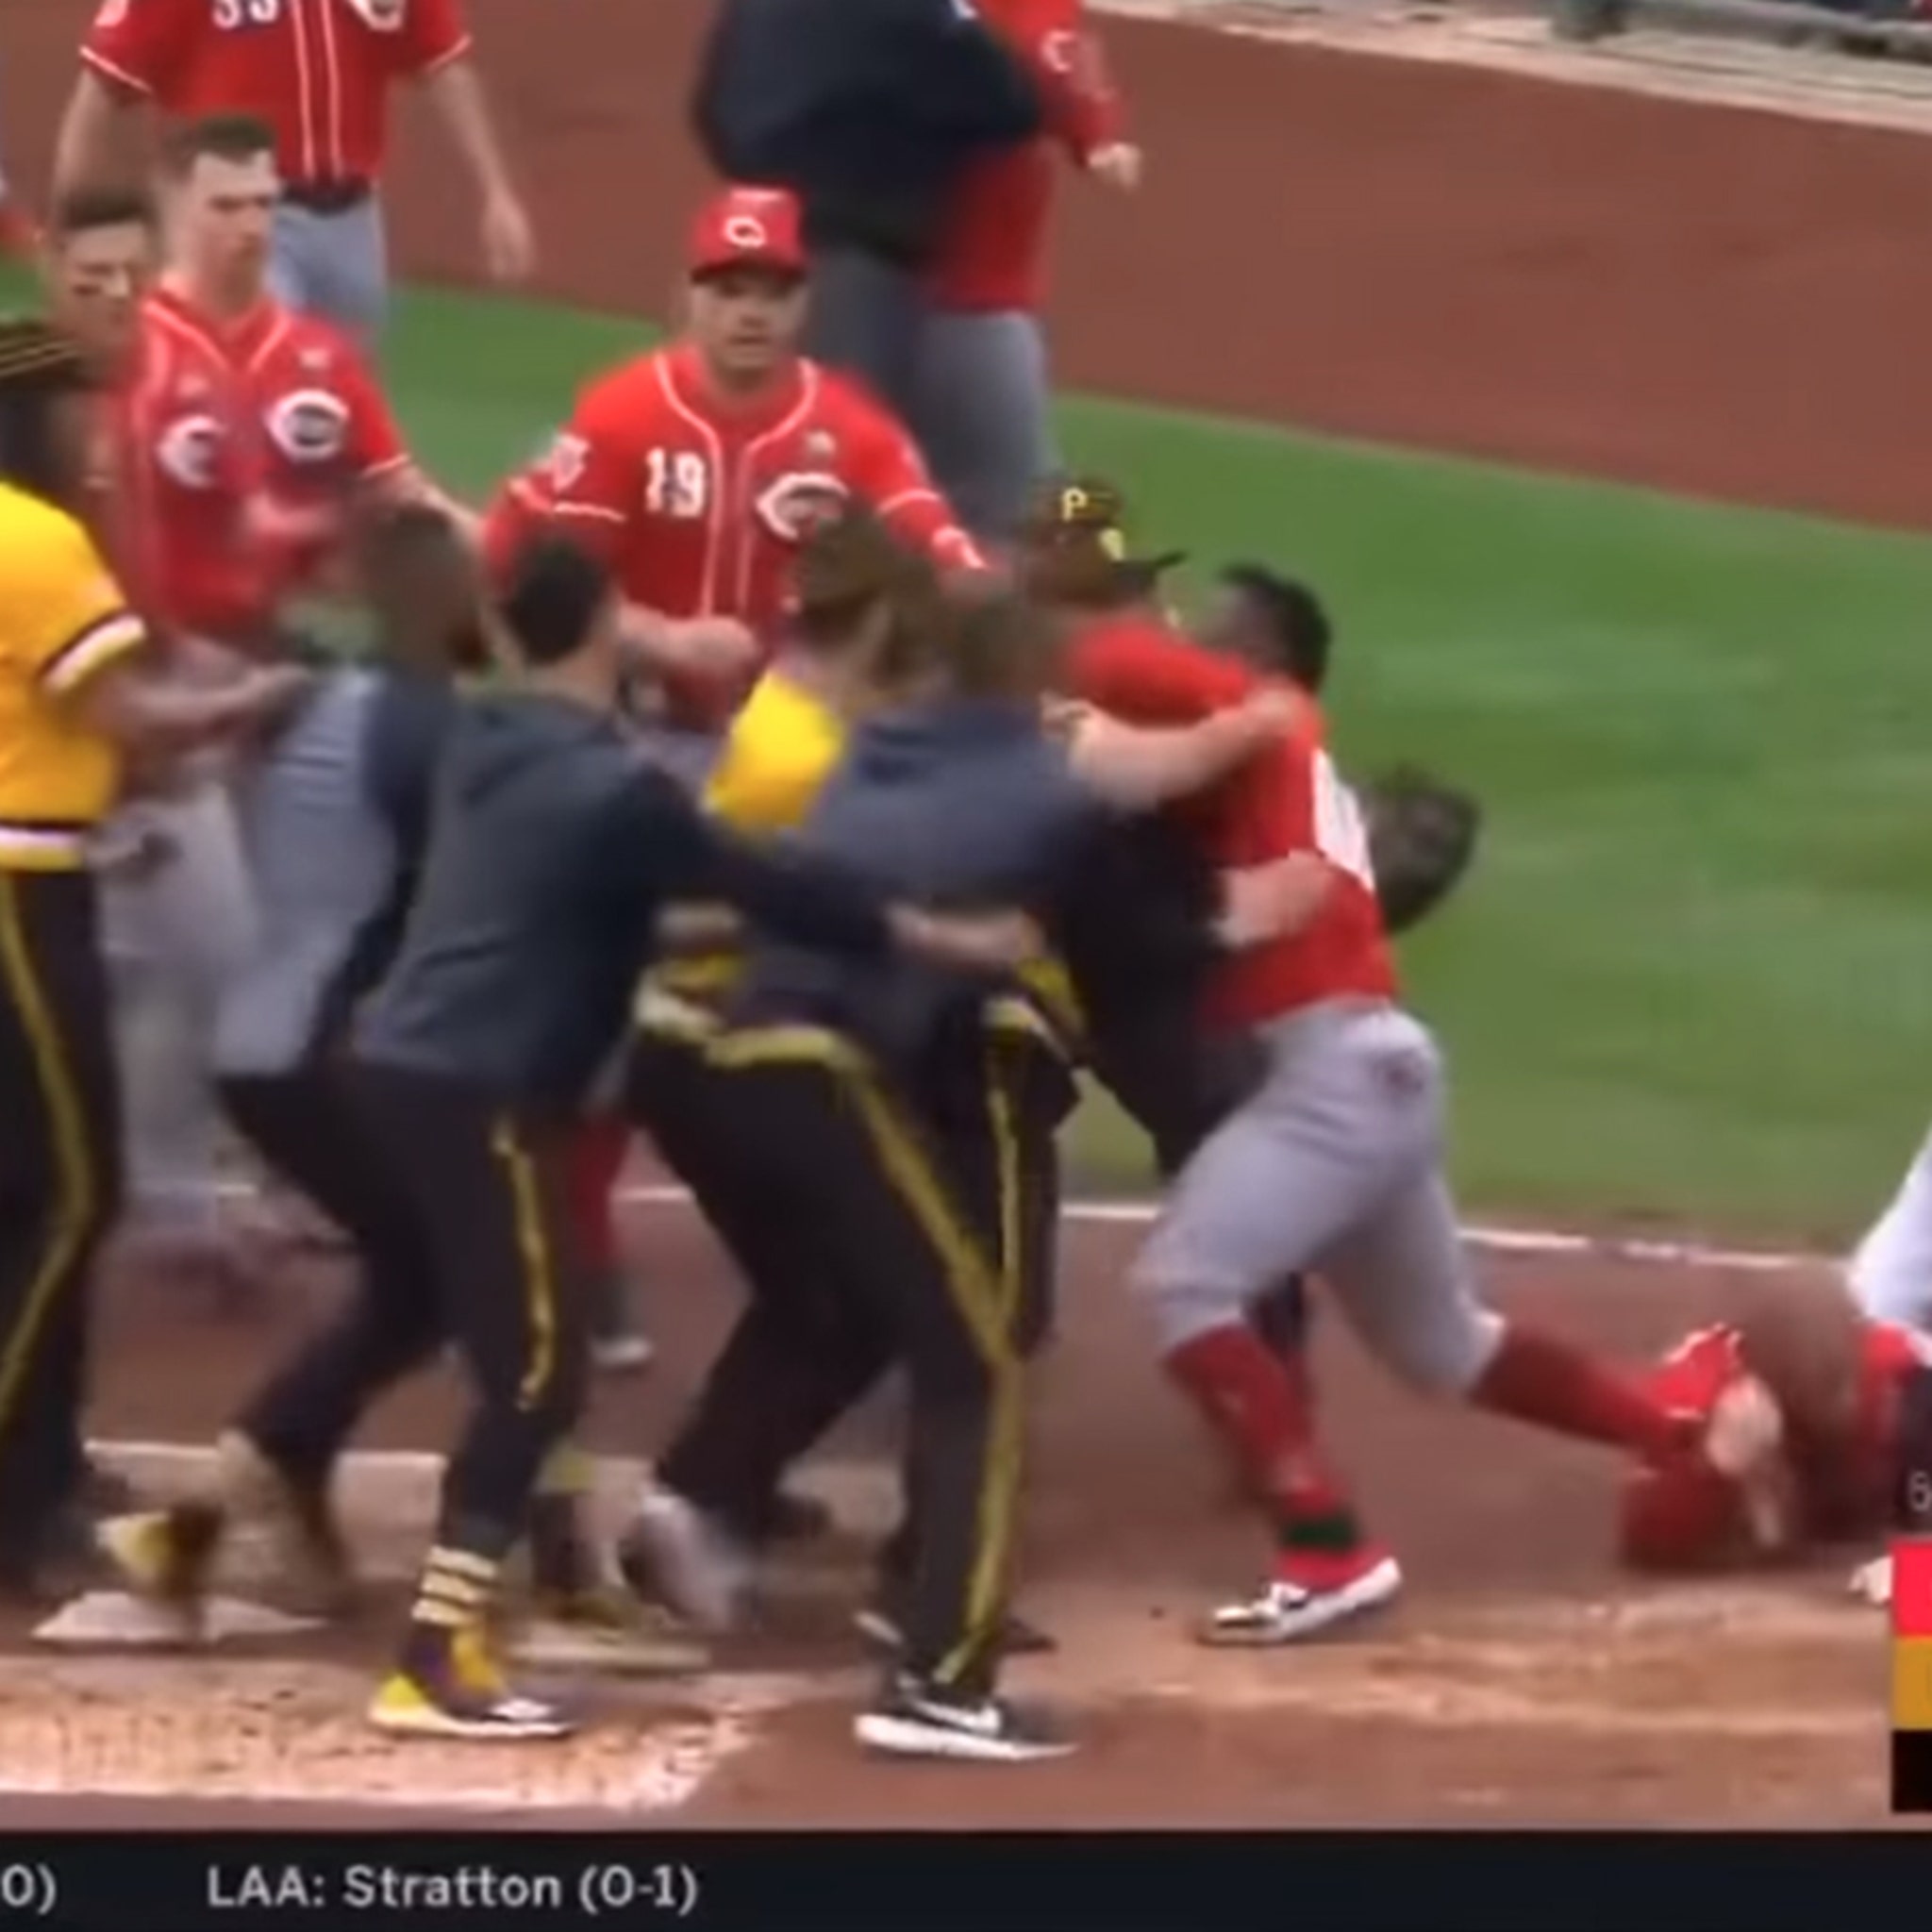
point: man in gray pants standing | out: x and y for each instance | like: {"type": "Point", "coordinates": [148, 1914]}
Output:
{"type": "Point", "coordinates": [319, 72]}
{"type": "Point", "coordinates": [869, 110]}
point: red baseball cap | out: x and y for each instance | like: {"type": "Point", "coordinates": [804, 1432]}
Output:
{"type": "Point", "coordinates": [748, 228]}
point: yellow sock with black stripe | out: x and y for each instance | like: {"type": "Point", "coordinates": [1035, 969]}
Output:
{"type": "Point", "coordinates": [457, 1589]}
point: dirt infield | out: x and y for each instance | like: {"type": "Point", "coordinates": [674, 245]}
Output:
{"type": "Point", "coordinates": [1522, 1681]}
{"type": "Point", "coordinates": [1721, 301]}
{"type": "Point", "coordinates": [1718, 301]}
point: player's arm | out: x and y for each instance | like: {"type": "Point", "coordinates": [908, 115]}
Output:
{"type": "Point", "coordinates": [438, 51]}
{"type": "Point", "coordinates": [886, 469]}
{"type": "Point", "coordinates": [1135, 768]}
{"type": "Point", "coordinates": [86, 650]}
{"type": "Point", "coordinates": [132, 57]}
{"type": "Point", "coordinates": [590, 486]}
{"type": "Point", "coordinates": [386, 473]}
{"type": "Point", "coordinates": [1084, 110]}
{"type": "Point", "coordinates": [1150, 676]}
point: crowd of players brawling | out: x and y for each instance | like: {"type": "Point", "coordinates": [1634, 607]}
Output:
{"type": "Point", "coordinates": [715, 785]}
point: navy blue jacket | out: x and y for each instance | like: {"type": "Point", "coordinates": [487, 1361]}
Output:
{"type": "Point", "coordinates": [552, 847]}
{"type": "Point", "coordinates": [866, 109]}
{"type": "Point", "coordinates": [960, 804]}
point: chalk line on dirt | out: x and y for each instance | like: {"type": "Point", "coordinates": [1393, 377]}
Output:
{"type": "Point", "coordinates": [1547, 1242]}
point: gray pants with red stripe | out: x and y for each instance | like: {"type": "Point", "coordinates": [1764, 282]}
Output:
{"type": "Point", "coordinates": [335, 266]}
{"type": "Point", "coordinates": [1333, 1166]}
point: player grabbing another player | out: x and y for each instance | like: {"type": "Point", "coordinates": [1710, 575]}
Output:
{"type": "Point", "coordinates": [1335, 1163]}
{"type": "Point", "coordinates": [554, 849]}
{"type": "Point", "coordinates": [694, 471]}
{"type": "Point", "coordinates": [245, 436]}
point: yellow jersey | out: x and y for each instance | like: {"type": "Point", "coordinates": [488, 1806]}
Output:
{"type": "Point", "coordinates": [780, 752]}
{"type": "Point", "coordinates": [62, 620]}
{"type": "Point", "coordinates": [781, 748]}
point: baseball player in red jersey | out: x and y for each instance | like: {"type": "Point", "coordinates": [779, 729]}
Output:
{"type": "Point", "coordinates": [1335, 1166]}
{"type": "Point", "coordinates": [245, 435]}
{"type": "Point", "coordinates": [981, 400]}
{"type": "Point", "coordinates": [696, 469]}
{"type": "Point", "coordinates": [320, 71]}
{"type": "Point", "coordinates": [1855, 1399]}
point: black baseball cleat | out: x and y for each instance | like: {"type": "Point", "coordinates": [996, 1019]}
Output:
{"type": "Point", "coordinates": [916, 1720]}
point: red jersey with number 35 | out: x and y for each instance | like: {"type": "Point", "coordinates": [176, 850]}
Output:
{"type": "Point", "coordinates": [1288, 798]}
{"type": "Point", "coordinates": [699, 502]}
{"type": "Point", "coordinates": [224, 425]}
{"type": "Point", "coordinates": [317, 71]}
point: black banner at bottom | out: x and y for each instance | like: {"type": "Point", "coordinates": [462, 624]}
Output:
{"type": "Point", "coordinates": [1911, 1773]}
{"type": "Point", "coordinates": [952, 1882]}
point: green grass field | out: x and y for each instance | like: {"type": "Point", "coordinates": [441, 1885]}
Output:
{"type": "Point", "coordinates": [1692, 977]}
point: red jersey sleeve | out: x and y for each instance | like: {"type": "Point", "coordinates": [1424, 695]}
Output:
{"type": "Point", "coordinates": [377, 445]}
{"type": "Point", "coordinates": [885, 468]}
{"type": "Point", "coordinates": [143, 46]}
{"type": "Point", "coordinates": [434, 34]}
{"type": "Point", "coordinates": [1144, 672]}
{"type": "Point", "coordinates": [588, 482]}
{"type": "Point", "coordinates": [1083, 108]}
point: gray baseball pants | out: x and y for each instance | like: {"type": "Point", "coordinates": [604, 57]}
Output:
{"type": "Point", "coordinates": [1333, 1166]}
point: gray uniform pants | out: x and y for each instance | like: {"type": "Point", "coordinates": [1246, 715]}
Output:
{"type": "Point", "coordinates": [983, 413]}
{"type": "Point", "coordinates": [172, 932]}
{"type": "Point", "coordinates": [971, 386]}
{"type": "Point", "coordinates": [1333, 1166]}
{"type": "Point", "coordinates": [335, 266]}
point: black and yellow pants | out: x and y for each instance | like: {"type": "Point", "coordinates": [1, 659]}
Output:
{"type": "Point", "coordinates": [802, 1351]}
{"type": "Point", "coordinates": [59, 1189]}
{"type": "Point", "coordinates": [931, 1204]}
{"type": "Point", "coordinates": [306, 1126]}
{"type": "Point", "coordinates": [491, 1189]}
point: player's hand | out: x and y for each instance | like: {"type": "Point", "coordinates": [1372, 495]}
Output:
{"type": "Point", "coordinates": [989, 942]}
{"type": "Point", "coordinates": [1118, 165]}
{"type": "Point", "coordinates": [1277, 710]}
{"type": "Point", "coordinates": [263, 696]}
{"type": "Point", "coordinates": [711, 646]}
{"type": "Point", "coordinates": [509, 242]}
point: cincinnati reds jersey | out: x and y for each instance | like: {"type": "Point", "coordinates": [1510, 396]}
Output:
{"type": "Point", "coordinates": [991, 250]}
{"type": "Point", "coordinates": [1286, 799]}
{"type": "Point", "coordinates": [222, 427]}
{"type": "Point", "coordinates": [699, 502]}
{"type": "Point", "coordinates": [317, 71]}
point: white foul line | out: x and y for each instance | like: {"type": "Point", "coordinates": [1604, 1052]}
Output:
{"type": "Point", "coordinates": [1544, 1242]}
{"type": "Point", "coordinates": [1500, 1240]}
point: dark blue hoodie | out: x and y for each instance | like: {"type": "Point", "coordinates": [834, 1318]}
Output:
{"type": "Point", "coordinates": [960, 804]}
{"type": "Point", "coordinates": [552, 847]}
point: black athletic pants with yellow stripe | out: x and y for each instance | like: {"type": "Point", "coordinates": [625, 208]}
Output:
{"type": "Point", "coordinates": [932, 1207]}
{"type": "Point", "coordinates": [306, 1125]}
{"type": "Point", "coordinates": [59, 1189]}
{"type": "Point", "coordinates": [489, 1185]}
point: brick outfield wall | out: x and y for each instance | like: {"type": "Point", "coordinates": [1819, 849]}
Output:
{"type": "Point", "coordinates": [1726, 302]}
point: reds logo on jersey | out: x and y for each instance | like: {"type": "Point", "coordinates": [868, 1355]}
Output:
{"type": "Point", "coordinates": [188, 450]}
{"type": "Point", "coordinates": [310, 426]}
{"type": "Point", "coordinates": [794, 505]}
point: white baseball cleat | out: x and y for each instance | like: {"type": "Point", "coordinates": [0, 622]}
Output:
{"type": "Point", "coordinates": [1872, 1582]}
{"type": "Point", "coordinates": [1288, 1611]}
